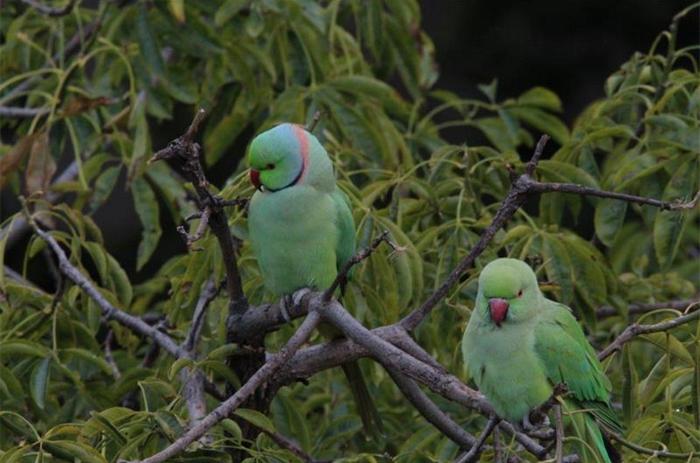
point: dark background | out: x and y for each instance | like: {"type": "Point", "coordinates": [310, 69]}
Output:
{"type": "Point", "coordinates": [569, 46]}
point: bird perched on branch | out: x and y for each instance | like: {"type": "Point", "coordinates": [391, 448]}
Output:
{"type": "Point", "coordinates": [519, 345]}
{"type": "Point", "coordinates": [301, 227]}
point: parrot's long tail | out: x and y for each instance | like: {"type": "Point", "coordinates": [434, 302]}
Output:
{"type": "Point", "coordinates": [369, 414]}
{"type": "Point", "coordinates": [590, 443]}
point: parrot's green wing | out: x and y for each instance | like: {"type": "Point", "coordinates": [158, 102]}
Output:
{"type": "Point", "coordinates": [568, 357]}
{"type": "Point", "coordinates": [345, 248]}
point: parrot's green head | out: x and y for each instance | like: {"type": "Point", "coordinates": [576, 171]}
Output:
{"type": "Point", "coordinates": [279, 157]}
{"type": "Point", "coordinates": [508, 291]}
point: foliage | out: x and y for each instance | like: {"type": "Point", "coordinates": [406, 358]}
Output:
{"type": "Point", "coordinates": [369, 68]}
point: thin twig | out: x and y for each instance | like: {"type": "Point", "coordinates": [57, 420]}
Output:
{"type": "Point", "coordinates": [73, 45]}
{"type": "Point", "coordinates": [356, 259]}
{"type": "Point", "coordinates": [539, 187]}
{"type": "Point", "coordinates": [647, 451]}
{"type": "Point", "coordinates": [477, 448]}
{"type": "Point", "coordinates": [636, 329]}
{"type": "Point", "coordinates": [109, 357]}
{"type": "Point", "coordinates": [19, 112]}
{"type": "Point", "coordinates": [314, 121]}
{"type": "Point", "coordinates": [201, 228]}
{"type": "Point", "coordinates": [209, 292]}
{"type": "Point", "coordinates": [20, 225]}
{"type": "Point", "coordinates": [229, 405]}
{"type": "Point", "coordinates": [641, 307]}
{"type": "Point", "coordinates": [50, 11]}
{"type": "Point", "coordinates": [287, 443]}
{"type": "Point", "coordinates": [559, 442]}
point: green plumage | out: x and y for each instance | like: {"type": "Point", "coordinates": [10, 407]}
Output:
{"type": "Point", "coordinates": [539, 344]}
{"type": "Point", "coordinates": [301, 226]}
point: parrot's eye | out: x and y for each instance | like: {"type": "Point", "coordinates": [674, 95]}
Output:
{"type": "Point", "coordinates": [520, 293]}
{"type": "Point", "coordinates": [270, 166]}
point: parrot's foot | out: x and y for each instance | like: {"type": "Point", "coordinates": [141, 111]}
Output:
{"type": "Point", "coordinates": [534, 422]}
{"type": "Point", "coordinates": [287, 303]}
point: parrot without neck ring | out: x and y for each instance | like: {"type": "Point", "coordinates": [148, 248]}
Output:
{"type": "Point", "coordinates": [301, 227]}
{"type": "Point", "coordinates": [518, 345]}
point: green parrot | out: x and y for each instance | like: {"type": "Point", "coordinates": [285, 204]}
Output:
{"type": "Point", "coordinates": [518, 345]}
{"type": "Point", "coordinates": [301, 228]}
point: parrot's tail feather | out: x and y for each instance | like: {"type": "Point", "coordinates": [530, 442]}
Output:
{"type": "Point", "coordinates": [613, 453]}
{"type": "Point", "coordinates": [587, 431]}
{"type": "Point", "coordinates": [368, 412]}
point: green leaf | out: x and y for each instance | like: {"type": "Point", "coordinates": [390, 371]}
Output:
{"type": "Point", "coordinates": [233, 429]}
{"type": "Point", "coordinates": [178, 365]}
{"type": "Point", "coordinates": [669, 225]}
{"type": "Point", "coordinates": [148, 43]}
{"type": "Point", "coordinates": [609, 217]}
{"type": "Point", "coordinates": [120, 281]}
{"type": "Point", "coordinates": [73, 451]}
{"type": "Point", "coordinates": [542, 121]}
{"type": "Point", "coordinates": [103, 187]}
{"type": "Point", "coordinates": [228, 10]}
{"type": "Point", "coordinates": [147, 209]}
{"type": "Point", "coordinates": [542, 97]}
{"type": "Point", "coordinates": [39, 381]}
{"type": "Point", "coordinates": [256, 418]}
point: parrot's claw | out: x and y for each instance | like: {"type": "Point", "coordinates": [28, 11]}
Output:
{"type": "Point", "coordinates": [299, 295]}
{"type": "Point", "coordinates": [527, 425]}
{"type": "Point", "coordinates": [287, 302]}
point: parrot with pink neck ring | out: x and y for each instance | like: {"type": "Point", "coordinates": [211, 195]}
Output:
{"type": "Point", "coordinates": [301, 228]}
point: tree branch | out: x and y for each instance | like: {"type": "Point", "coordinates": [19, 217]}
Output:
{"type": "Point", "coordinates": [476, 449]}
{"type": "Point", "coordinates": [20, 225]}
{"type": "Point", "coordinates": [19, 112]}
{"type": "Point", "coordinates": [516, 197]}
{"type": "Point", "coordinates": [432, 412]}
{"type": "Point", "coordinates": [559, 439]}
{"type": "Point", "coordinates": [110, 312]}
{"type": "Point", "coordinates": [229, 405]}
{"type": "Point", "coordinates": [539, 187]}
{"type": "Point", "coordinates": [185, 152]}
{"type": "Point", "coordinates": [50, 11]}
{"type": "Point", "coordinates": [640, 307]}
{"type": "Point", "coordinates": [356, 259]}
{"type": "Point", "coordinates": [647, 451]}
{"type": "Point", "coordinates": [636, 329]}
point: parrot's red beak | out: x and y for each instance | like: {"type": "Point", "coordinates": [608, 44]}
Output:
{"type": "Point", "coordinates": [498, 309]}
{"type": "Point", "coordinates": [255, 178]}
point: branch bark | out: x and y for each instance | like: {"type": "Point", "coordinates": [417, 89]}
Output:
{"type": "Point", "coordinates": [233, 402]}
{"type": "Point", "coordinates": [636, 329]}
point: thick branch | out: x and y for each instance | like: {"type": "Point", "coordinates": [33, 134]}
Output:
{"type": "Point", "coordinates": [229, 405]}
{"type": "Point", "coordinates": [636, 329]}
{"type": "Point", "coordinates": [432, 412]}
{"type": "Point", "coordinates": [185, 152]}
